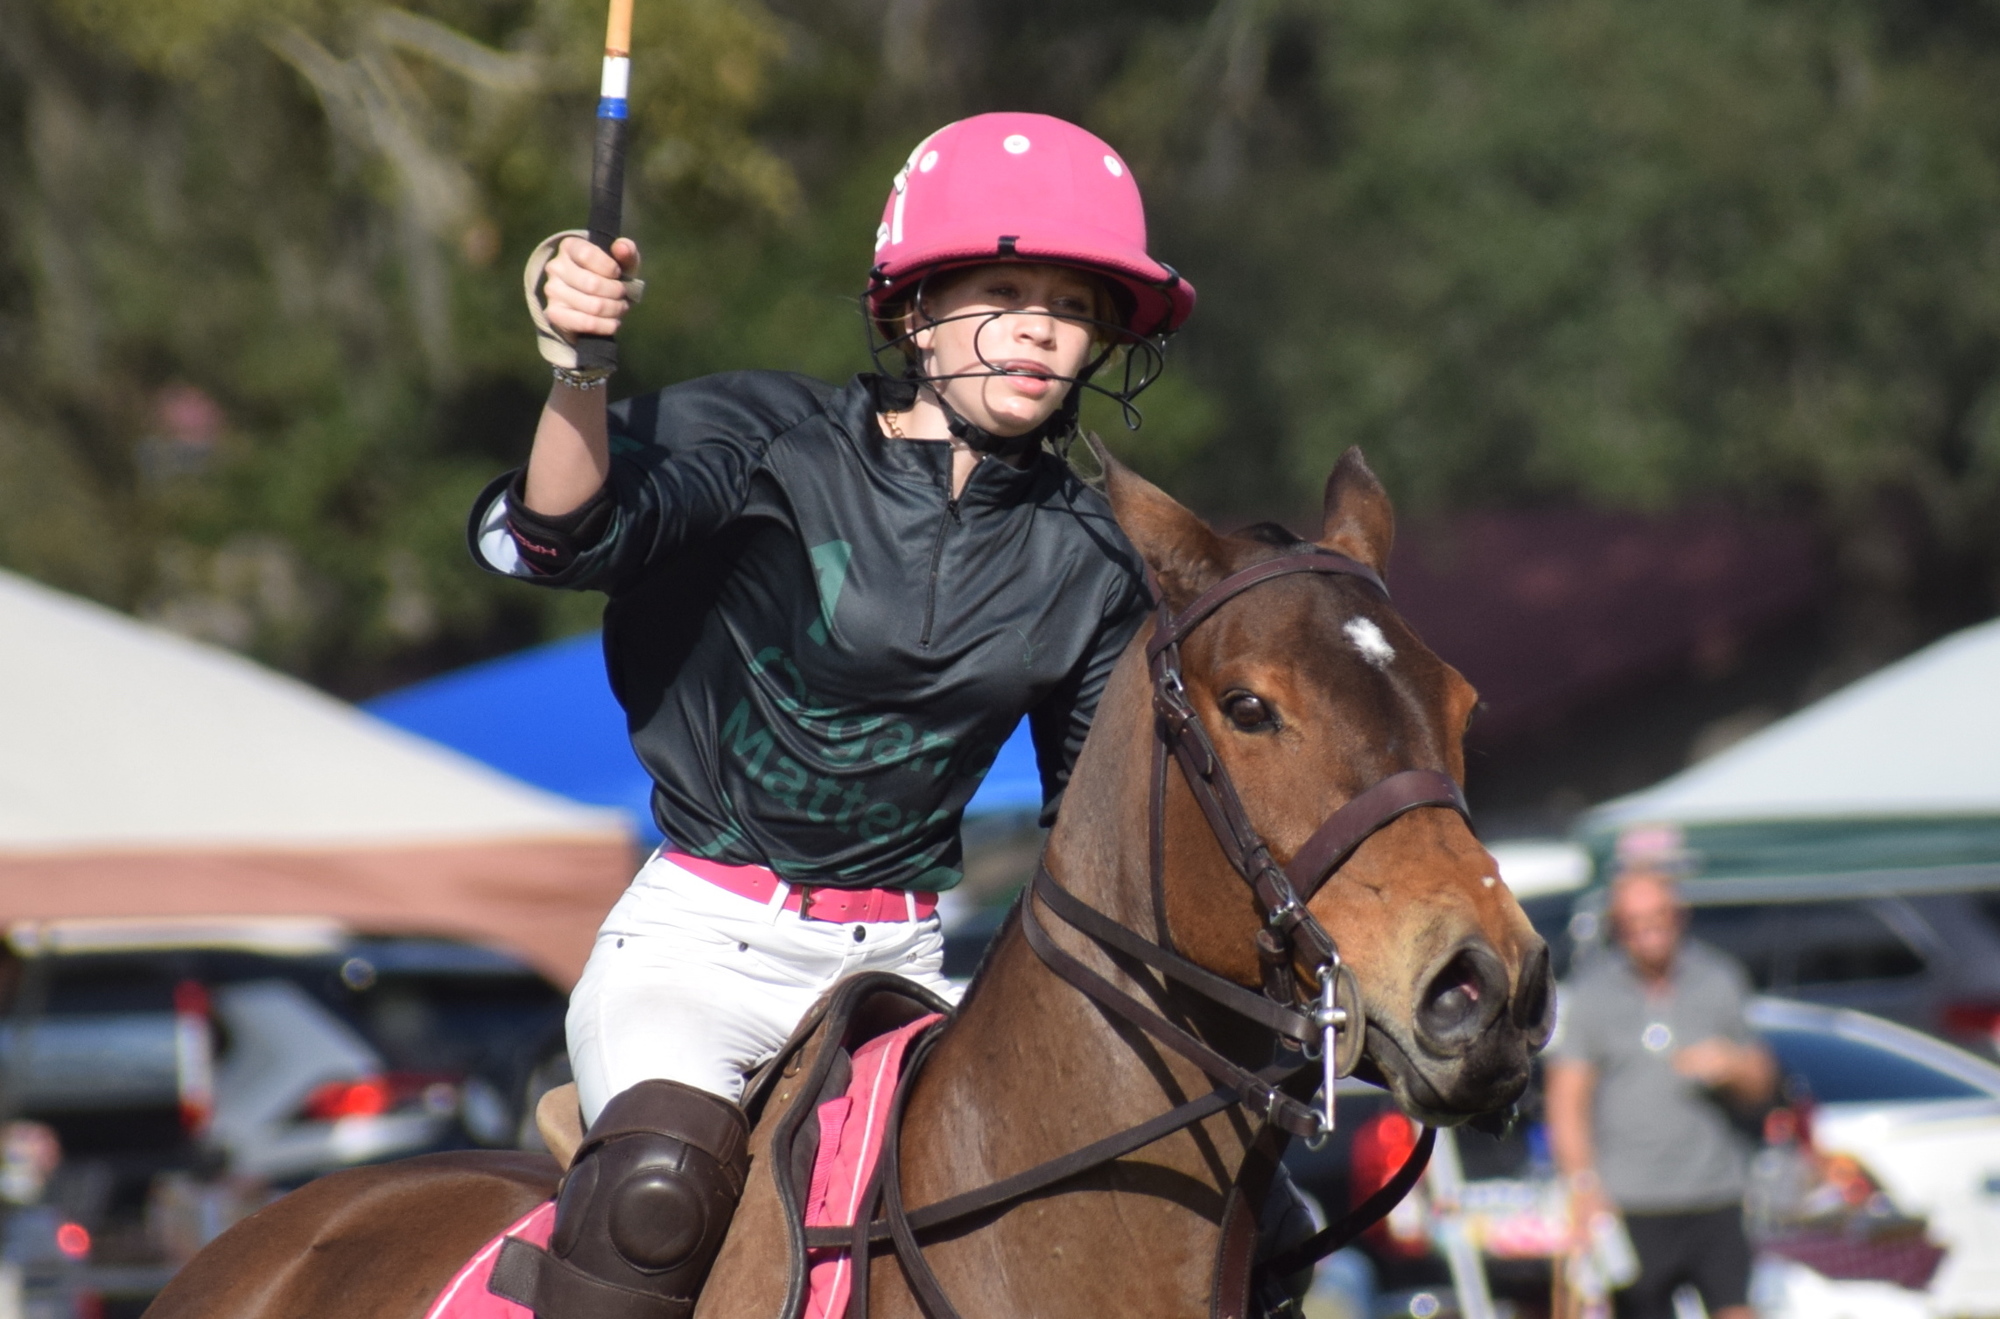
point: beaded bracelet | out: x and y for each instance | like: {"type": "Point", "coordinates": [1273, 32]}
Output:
{"type": "Point", "coordinates": [582, 379]}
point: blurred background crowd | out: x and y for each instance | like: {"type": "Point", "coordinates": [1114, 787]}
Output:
{"type": "Point", "coordinates": [1674, 331]}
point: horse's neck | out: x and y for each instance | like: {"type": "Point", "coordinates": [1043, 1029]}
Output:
{"type": "Point", "coordinates": [1032, 1069]}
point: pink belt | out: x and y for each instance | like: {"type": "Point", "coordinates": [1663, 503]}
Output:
{"type": "Point", "coordinates": [813, 902]}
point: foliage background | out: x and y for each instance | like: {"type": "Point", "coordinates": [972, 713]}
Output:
{"type": "Point", "coordinates": [259, 296]}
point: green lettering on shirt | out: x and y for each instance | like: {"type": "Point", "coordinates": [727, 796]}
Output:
{"type": "Point", "coordinates": [830, 572]}
{"type": "Point", "coordinates": [748, 747]}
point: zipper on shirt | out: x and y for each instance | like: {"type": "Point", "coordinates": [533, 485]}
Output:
{"type": "Point", "coordinates": [937, 556]}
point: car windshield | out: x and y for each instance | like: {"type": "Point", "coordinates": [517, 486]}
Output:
{"type": "Point", "coordinates": [1838, 1070]}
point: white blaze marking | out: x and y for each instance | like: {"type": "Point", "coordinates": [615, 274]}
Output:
{"type": "Point", "coordinates": [1487, 881]}
{"type": "Point", "coordinates": [1368, 639]}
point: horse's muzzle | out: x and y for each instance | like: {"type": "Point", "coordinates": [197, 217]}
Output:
{"type": "Point", "coordinates": [1467, 996]}
{"type": "Point", "coordinates": [1471, 1035]}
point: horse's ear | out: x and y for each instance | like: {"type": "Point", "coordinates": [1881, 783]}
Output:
{"type": "Point", "coordinates": [1185, 556]}
{"type": "Point", "coordinates": [1358, 520]}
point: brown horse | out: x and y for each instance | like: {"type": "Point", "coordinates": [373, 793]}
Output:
{"type": "Point", "coordinates": [1313, 690]}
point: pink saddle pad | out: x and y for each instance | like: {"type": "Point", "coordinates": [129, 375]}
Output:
{"type": "Point", "coordinates": [850, 1141]}
{"type": "Point", "coordinates": [851, 1130]}
{"type": "Point", "coordinates": [466, 1297]}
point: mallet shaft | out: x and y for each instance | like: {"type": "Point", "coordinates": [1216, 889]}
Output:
{"type": "Point", "coordinates": [607, 172]}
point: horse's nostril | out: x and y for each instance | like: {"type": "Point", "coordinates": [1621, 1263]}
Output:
{"type": "Point", "coordinates": [1462, 999]}
{"type": "Point", "coordinates": [1535, 1000]}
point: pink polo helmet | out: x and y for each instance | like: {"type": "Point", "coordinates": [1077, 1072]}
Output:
{"type": "Point", "coordinates": [1022, 187]}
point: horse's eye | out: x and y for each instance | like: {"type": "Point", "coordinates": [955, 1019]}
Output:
{"type": "Point", "coordinates": [1248, 712]}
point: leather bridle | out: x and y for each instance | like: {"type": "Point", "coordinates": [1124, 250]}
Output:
{"type": "Point", "coordinates": [1291, 934]}
{"type": "Point", "coordinates": [1328, 1027]}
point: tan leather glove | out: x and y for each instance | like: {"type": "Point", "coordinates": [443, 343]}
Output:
{"type": "Point", "coordinates": [557, 348]}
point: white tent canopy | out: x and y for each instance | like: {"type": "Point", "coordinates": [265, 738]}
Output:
{"type": "Point", "coordinates": [116, 734]}
{"type": "Point", "coordinates": [1918, 738]}
{"type": "Point", "coordinates": [145, 774]}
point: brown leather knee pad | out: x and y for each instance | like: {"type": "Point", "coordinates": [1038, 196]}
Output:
{"type": "Point", "coordinates": [642, 1212]}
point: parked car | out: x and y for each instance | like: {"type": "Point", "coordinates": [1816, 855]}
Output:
{"type": "Point", "coordinates": [191, 1069]}
{"type": "Point", "coordinates": [1879, 1191]}
{"type": "Point", "coordinates": [1875, 1195]}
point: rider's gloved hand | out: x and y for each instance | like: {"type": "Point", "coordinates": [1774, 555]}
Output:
{"type": "Point", "coordinates": [575, 287]}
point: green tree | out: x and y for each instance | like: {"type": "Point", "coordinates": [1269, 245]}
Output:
{"type": "Point", "coordinates": [1548, 250]}
{"type": "Point", "coordinates": [1616, 252]}
{"type": "Point", "coordinates": [263, 308]}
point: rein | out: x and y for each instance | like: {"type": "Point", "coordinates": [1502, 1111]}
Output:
{"type": "Point", "coordinates": [1329, 1028]}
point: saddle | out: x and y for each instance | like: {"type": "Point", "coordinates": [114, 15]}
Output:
{"type": "Point", "coordinates": [786, 1096]}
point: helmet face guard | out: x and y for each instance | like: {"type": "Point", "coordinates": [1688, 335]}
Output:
{"type": "Point", "coordinates": [1002, 188]}
{"type": "Point", "coordinates": [1137, 360]}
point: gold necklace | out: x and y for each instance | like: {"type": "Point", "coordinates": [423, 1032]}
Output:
{"type": "Point", "coordinates": [895, 429]}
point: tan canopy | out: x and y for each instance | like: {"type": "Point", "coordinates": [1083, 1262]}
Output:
{"type": "Point", "coordinates": [142, 774]}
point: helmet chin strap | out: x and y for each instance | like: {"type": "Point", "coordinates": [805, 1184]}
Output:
{"type": "Point", "coordinates": [980, 440]}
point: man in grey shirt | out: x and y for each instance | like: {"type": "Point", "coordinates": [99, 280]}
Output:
{"type": "Point", "coordinates": [1651, 1053]}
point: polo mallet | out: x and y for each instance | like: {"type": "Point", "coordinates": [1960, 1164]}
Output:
{"type": "Point", "coordinates": [599, 352]}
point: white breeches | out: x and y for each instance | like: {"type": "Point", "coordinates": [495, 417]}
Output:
{"type": "Point", "coordinates": [689, 982]}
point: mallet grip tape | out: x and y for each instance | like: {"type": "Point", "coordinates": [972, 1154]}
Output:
{"type": "Point", "coordinates": [607, 189]}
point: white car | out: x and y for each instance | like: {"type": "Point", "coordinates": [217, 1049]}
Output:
{"type": "Point", "coordinates": [1888, 1153]}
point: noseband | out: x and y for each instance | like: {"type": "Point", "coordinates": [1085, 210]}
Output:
{"type": "Point", "coordinates": [1329, 1028]}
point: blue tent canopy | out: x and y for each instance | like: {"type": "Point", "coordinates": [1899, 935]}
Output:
{"type": "Point", "coordinates": [547, 717]}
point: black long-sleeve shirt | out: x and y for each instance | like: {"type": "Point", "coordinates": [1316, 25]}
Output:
{"type": "Point", "coordinates": [819, 650]}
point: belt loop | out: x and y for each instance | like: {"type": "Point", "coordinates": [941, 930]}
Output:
{"type": "Point", "coordinates": [910, 906]}
{"type": "Point", "coordinates": [774, 906]}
